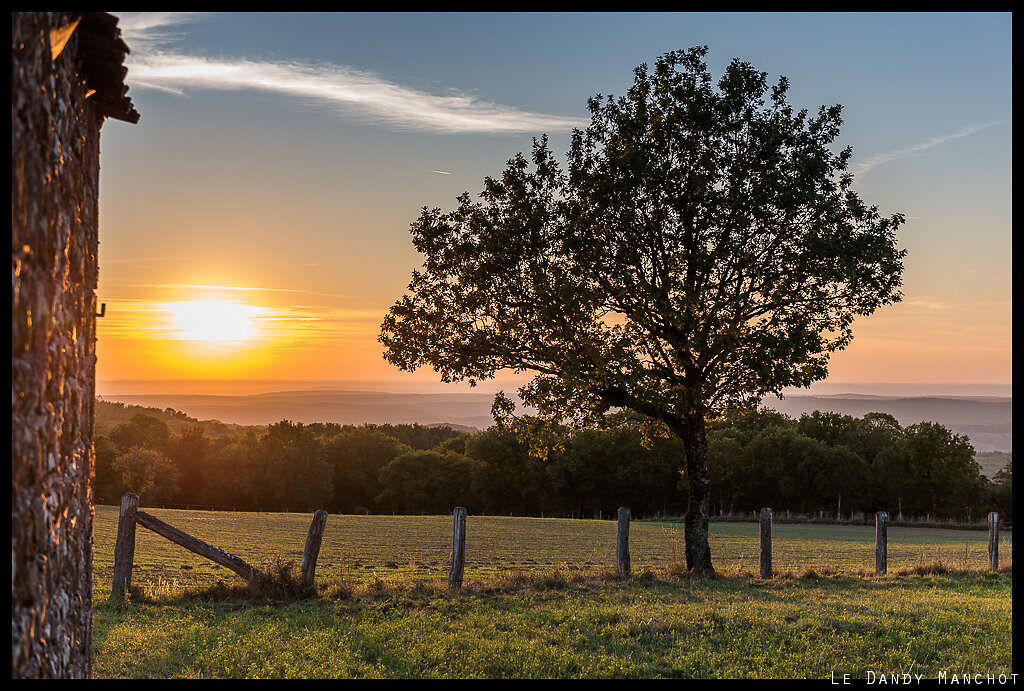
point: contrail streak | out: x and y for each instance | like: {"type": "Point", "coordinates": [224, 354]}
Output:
{"type": "Point", "coordinates": [351, 91]}
{"type": "Point", "coordinates": [878, 159]}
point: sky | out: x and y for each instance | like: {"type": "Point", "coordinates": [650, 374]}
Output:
{"type": "Point", "coordinates": [254, 225]}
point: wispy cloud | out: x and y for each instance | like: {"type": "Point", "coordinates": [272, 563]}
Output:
{"type": "Point", "coordinates": [146, 31]}
{"type": "Point", "coordinates": [873, 161]}
{"type": "Point", "coordinates": [354, 92]}
{"type": "Point", "coordinates": [134, 287]}
{"type": "Point", "coordinates": [202, 286]}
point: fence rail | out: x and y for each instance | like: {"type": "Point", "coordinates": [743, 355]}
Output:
{"type": "Point", "coordinates": [816, 517]}
{"type": "Point", "coordinates": [130, 516]}
{"type": "Point", "coordinates": [124, 548]}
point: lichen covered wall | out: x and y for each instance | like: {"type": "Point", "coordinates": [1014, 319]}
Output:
{"type": "Point", "coordinates": [54, 221]}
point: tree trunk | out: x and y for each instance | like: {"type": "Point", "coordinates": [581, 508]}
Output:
{"type": "Point", "coordinates": [698, 509]}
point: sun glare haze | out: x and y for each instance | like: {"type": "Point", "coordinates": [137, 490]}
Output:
{"type": "Point", "coordinates": [215, 321]}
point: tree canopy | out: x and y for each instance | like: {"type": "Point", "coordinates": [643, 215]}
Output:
{"type": "Point", "coordinates": [703, 248]}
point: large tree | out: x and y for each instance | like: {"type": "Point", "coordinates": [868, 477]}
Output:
{"type": "Point", "coordinates": [704, 248]}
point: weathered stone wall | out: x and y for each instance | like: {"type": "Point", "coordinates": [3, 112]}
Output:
{"type": "Point", "coordinates": [54, 221]}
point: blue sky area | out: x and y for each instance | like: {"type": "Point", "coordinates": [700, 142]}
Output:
{"type": "Point", "coordinates": [280, 159]}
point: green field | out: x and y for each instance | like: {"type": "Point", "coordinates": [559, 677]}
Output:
{"type": "Point", "coordinates": [362, 548]}
{"type": "Point", "coordinates": [540, 600]}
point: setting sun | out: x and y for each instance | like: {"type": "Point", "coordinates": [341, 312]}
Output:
{"type": "Point", "coordinates": [214, 321]}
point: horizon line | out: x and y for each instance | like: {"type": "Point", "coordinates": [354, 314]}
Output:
{"type": "Point", "coordinates": [239, 386]}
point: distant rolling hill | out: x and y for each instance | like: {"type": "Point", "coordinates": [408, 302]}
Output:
{"type": "Point", "coordinates": [986, 420]}
{"type": "Point", "coordinates": [343, 407]}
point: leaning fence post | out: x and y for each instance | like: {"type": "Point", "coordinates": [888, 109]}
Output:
{"type": "Point", "coordinates": [881, 543]}
{"type": "Point", "coordinates": [993, 541]}
{"type": "Point", "coordinates": [766, 543]}
{"type": "Point", "coordinates": [124, 548]}
{"type": "Point", "coordinates": [458, 547]}
{"type": "Point", "coordinates": [312, 551]}
{"type": "Point", "coordinates": [622, 550]}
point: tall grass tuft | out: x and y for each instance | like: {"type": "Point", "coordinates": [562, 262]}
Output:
{"type": "Point", "coordinates": [280, 582]}
{"type": "Point", "coordinates": [935, 567]}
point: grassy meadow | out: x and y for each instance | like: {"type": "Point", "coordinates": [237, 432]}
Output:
{"type": "Point", "coordinates": [540, 600]}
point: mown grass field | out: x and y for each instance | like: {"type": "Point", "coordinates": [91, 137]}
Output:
{"type": "Point", "coordinates": [540, 600]}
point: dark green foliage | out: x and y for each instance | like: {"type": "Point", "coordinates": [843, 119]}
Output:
{"type": "Point", "coordinates": [427, 482]}
{"type": "Point", "coordinates": [939, 470]}
{"type": "Point", "coordinates": [189, 451]}
{"type": "Point", "coordinates": [498, 480]}
{"type": "Point", "coordinates": [107, 484]}
{"type": "Point", "coordinates": [417, 436]}
{"type": "Point", "coordinates": [840, 464]}
{"type": "Point", "coordinates": [703, 248]}
{"type": "Point", "coordinates": [290, 460]}
{"type": "Point", "coordinates": [822, 463]}
{"type": "Point", "coordinates": [229, 478]}
{"type": "Point", "coordinates": [142, 430]}
{"type": "Point", "coordinates": [601, 470]}
{"type": "Point", "coordinates": [1001, 493]}
{"type": "Point", "coordinates": [357, 455]}
{"type": "Point", "coordinates": [147, 473]}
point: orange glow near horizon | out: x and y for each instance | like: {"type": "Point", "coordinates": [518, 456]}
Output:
{"type": "Point", "coordinates": [177, 331]}
{"type": "Point", "coordinates": [203, 331]}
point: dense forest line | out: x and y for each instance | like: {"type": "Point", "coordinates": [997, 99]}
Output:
{"type": "Point", "coordinates": [822, 463]}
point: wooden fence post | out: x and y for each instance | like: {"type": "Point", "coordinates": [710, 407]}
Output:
{"type": "Point", "coordinates": [312, 551]}
{"type": "Point", "coordinates": [766, 543]}
{"type": "Point", "coordinates": [622, 550]}
{"type": "Point", "coordinates": [458, 548]}
{"type": "Point", "coordinates": [993, 541]}
{"type": "Point", "coordinates": [881, 543]}
{"type": "Point", "coordinates": [124, 548]}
